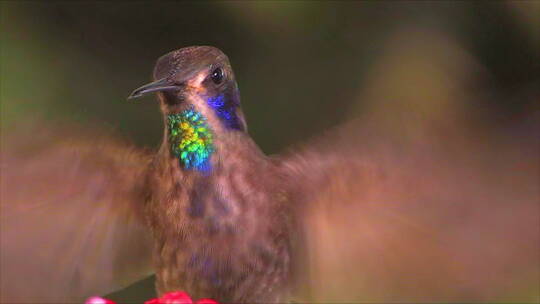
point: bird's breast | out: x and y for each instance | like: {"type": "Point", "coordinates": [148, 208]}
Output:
{"type": "Point", "coordinates": [225, 240]}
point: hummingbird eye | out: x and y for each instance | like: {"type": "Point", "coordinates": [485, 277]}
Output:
{"type": "Point", "coordinates": [217, 75]}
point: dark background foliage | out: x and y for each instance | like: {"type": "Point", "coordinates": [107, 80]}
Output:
{"type": "Point", "coordinates": [299, 64]}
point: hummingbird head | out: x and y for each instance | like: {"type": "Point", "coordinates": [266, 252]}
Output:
{"type": "Point", "coordinates": [200, 102]}
{"type": "Point", "coordinates": [198, 78]}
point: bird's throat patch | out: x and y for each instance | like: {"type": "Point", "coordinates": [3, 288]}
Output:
{"type": "Point", "coordinates": [191, 140]}
{"type": "Point", "coordinates": [225, 110]}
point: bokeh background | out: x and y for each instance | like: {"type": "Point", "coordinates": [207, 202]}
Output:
{"type": "Point", "coordinates": [302, 67]}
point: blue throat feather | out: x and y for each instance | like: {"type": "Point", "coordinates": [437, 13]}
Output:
{"type": "Point", "coordinates": [191, 140]}
{"type": "Point", "coordinates": [225, 110]}
{"type": "Point", "coordinates": [190, 136]}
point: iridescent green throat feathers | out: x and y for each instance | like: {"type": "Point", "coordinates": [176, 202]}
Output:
{"type": "Point", "coordinates": [190, 139]}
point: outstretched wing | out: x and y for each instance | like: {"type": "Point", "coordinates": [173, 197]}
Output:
{"type": "Point", "coordinates": [71, 223]}
{"type": "Point", "coordinates": [425, 216]}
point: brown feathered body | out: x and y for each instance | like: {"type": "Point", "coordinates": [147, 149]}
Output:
{"type": "Point", "coordinates": [224, 235]}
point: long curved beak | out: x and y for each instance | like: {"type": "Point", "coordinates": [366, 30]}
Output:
{"type": "Point", "coordinates": [159, 85]}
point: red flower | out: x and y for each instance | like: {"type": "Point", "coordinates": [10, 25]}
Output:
{"type": "Point", "coordinates": [175, 297]}
{"type": "Point", "coordinates": [178, 297]}
{"type": "Point", "coordinates": [206, 301]}
{"type": "Point", "coordinates": [98, 300]}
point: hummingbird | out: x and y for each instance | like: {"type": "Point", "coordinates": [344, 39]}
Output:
{"type": "Point", "coordinates": [357, 214]}
{"type": "Point", "coordinates": [216, 205]}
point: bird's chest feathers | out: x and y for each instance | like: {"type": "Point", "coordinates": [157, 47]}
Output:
{"type": "Point", "coordinates": [214, 229]}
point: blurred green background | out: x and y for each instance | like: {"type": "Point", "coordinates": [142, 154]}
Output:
{"type": "Point", "coordinates": [302, 67]}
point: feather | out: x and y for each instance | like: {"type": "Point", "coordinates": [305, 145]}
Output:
{"type": "Point", "coordinates": [71, 217]}
{"type": "Point", "coordinates": [437, 216]}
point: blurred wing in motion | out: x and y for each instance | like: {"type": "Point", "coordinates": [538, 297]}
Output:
{"type": "Point", "coordinates": [438, 216]}
{"type": "Point", "coordinates": [70, 218]}
{"type": "Point", "coordinates": [431, 196]}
